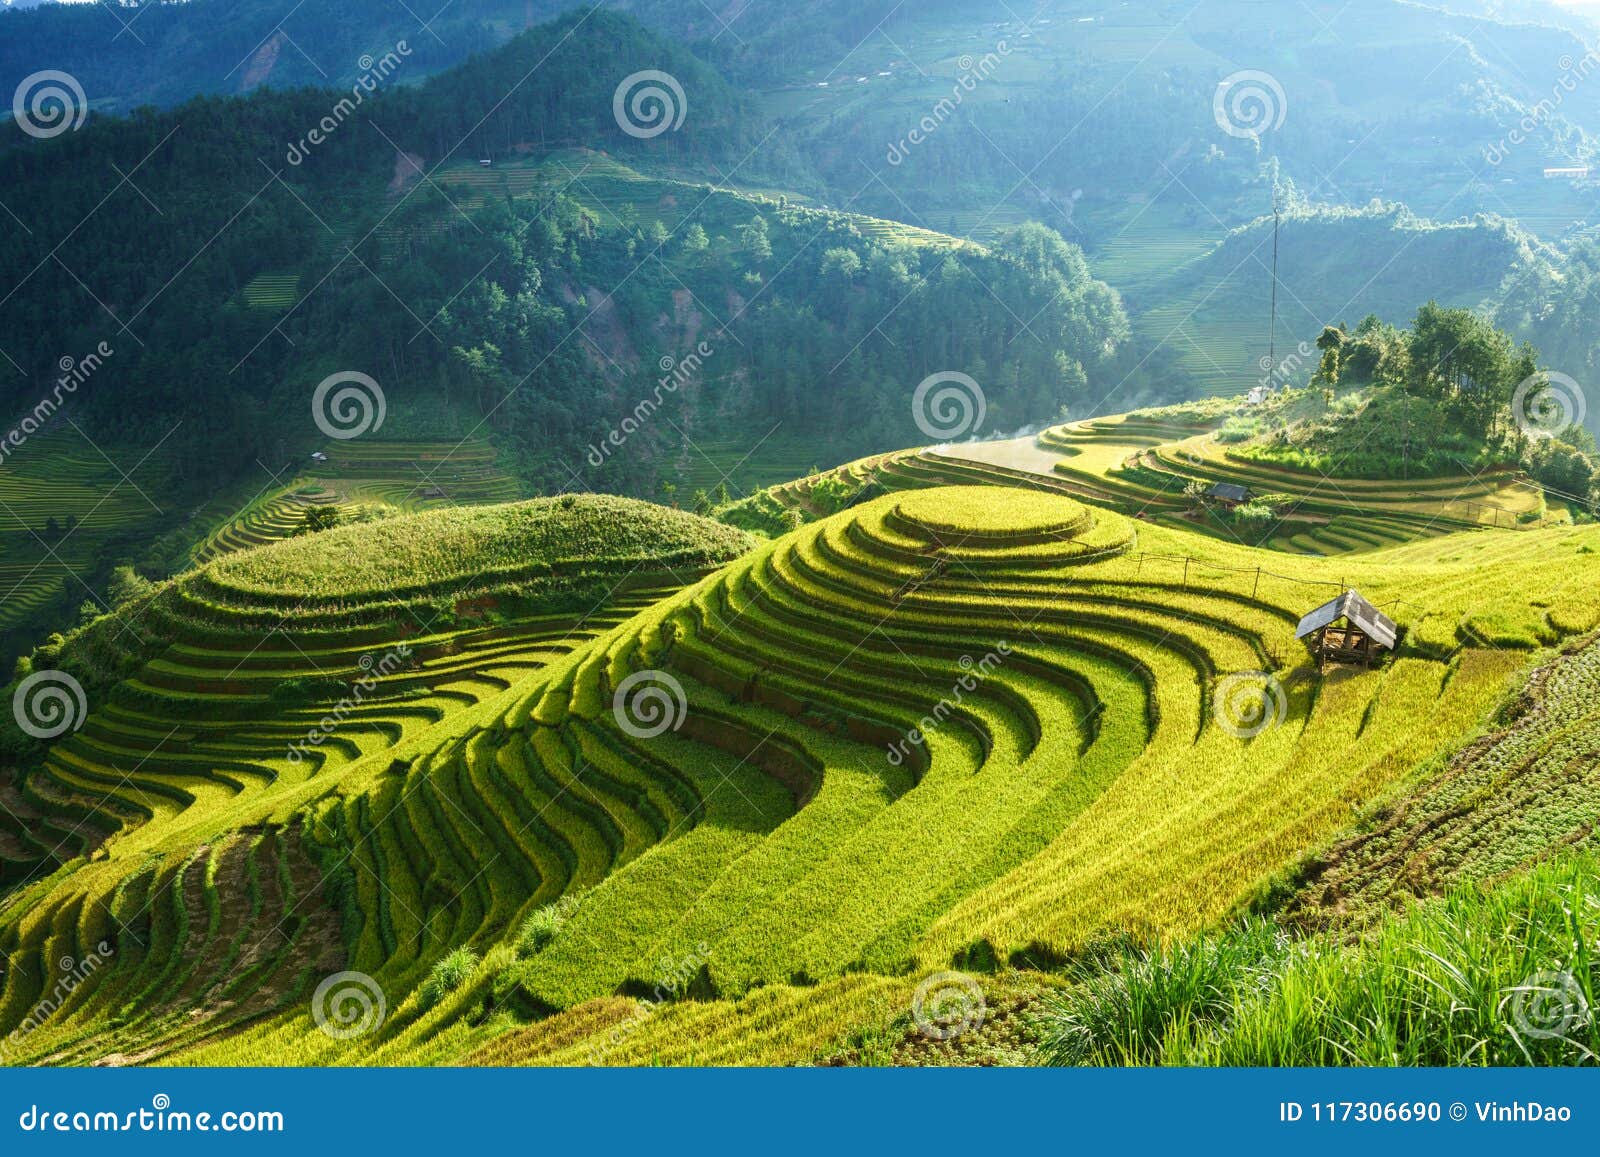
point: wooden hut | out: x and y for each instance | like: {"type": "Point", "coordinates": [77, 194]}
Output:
{"type": "Point", "coordinates": [1228, 494]}
{"type": "Point", "coordinates": [1348, 629]}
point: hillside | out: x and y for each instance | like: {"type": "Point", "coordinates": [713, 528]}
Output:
{"type": "Point", "coordinates": [541, 337]}
{"type": "Point", "coordinates": [1333, 265]}
{"type": "Point", "coordinates": [583, 286]}
{"type": "Point", "coordinates": [222, 679]}
{"type": "Point", "coordinates": [727, 779]}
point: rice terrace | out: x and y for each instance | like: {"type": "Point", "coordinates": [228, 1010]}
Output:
{"type": "Point", "coordinates": [557, 577]}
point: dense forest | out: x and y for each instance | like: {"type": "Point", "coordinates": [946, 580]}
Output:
{"type": "Point", "coordinates": [497, 311]}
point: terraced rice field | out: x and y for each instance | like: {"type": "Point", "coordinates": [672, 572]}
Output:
{"type": "Point", "coordinates": [60, 478]}
{"type": "Point", "coordinates": [408, 474]}
{"type": "Point", "coordinates": [268, 519]}
{"type": "Point", "coordinates": [1522, 794]}
{"type": "Point", "coordinates": [399, 476]}
{"type": "Point", "coordinates": [969, 725]}
{"type": "Point", "coordinates": [1142, 463]}
{"type": "Point", "coordinates": [179, 801]}
{"type": "Point", "coordinates": [272, 291]}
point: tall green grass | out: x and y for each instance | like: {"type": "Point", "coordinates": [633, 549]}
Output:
{"type": "Point", "coordinates": [1506, 976]}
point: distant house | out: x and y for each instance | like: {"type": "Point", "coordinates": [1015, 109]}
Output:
{"type": "Point", "coordinates": [318, 456]}
{"type": "Point", "coordinates": [1257, 395]}
{"type": "Point", "coordinates": [433, 492]}
{"type": "Point", "coordinates": [485, 161]}
{"type": "Point", "coordinates": [1228, 494]}
{"type": "Point", "coordinates": [1348, 629]}
{"type": "Point", "coordinates": [1569, 172]}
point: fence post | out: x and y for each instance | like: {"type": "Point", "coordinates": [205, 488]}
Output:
{"type": "Point", "coordinates": [1257, 585]}
{"type": "Point", "coordinates": [1185, 571]}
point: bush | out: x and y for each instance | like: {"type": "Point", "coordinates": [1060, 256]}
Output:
{"type": "Point", "coordinates": [448, 975]}
{"type": "Point", "coordinates": [127, 584]}
{"type": "Point", "coordinates": [1238, 429]}
{"type": "Point", "coordinates": [541, 926]}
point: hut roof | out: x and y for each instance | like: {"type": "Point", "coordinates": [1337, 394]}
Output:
{"type": "Point", "coordinates": [1229, 492]}
{"type": "Point", "coordinates": [1350, 605]}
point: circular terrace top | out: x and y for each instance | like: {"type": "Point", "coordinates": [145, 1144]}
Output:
{"type": "Point", "coordinates": [992, 512]}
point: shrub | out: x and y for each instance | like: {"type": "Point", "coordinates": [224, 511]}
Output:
{"type": "Point", "coordinates": [1238, 429]}
{"type": "Point", "coordinates": [126, 584]}
{"type": "Point", "coordinates": [448, 975]}
{"type": "Point", "coordinates": [541, 926]}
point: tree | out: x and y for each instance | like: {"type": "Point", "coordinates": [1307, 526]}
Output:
{"type": "Point", "coordinates": [126, 583]}
{"type": "Point", "coordinates": [1331, 341]}
{"type": "Point", "coordinates": [720, 497]}
{"type": "Point", "coordinates": [320, 518]}
{"type": "Point", "coordinates": [702, 502]}
{"type": "Point", "coordinates": [695, 240]}
{"type": "Point", "coordinates": [754, 240]}
{"type": "Point", "coordinates": [840, 266]}
{"type": "Point", "coordinates": [1458, 356]}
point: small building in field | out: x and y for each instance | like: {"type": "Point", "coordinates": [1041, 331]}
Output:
{"type": "Point", "coordinates": [1228, 494]}
{"type": "Point", "coordinates": [1348, 629]}
{"type": "Point", "coordinates": [318, 456]}
{"type": "Point", "coordinates": [434, 492]}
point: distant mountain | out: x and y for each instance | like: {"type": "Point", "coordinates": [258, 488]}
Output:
{"type": "Point", "coordinates": [127, 55]}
